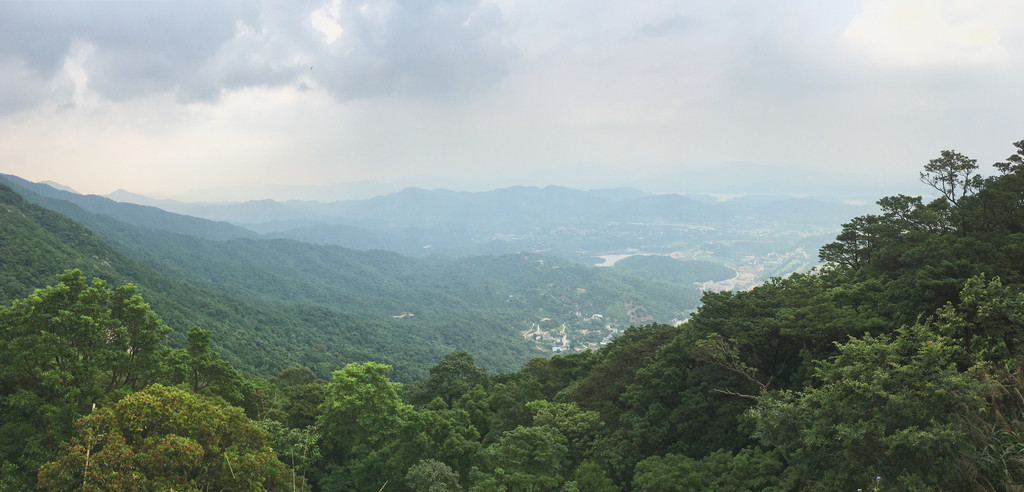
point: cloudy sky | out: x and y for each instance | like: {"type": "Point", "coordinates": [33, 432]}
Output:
{"type": "Point", "coordinates": [168, 96]}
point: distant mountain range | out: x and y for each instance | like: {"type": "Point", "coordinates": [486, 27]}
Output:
{"type": "Point", "coordinates": [581, 226]}
{"type": "Point", "coordinates": [416, 207]}
{"type": "Point", "coordinates": [722, 180]}
{"type": "Point", "coordinates": [574, 224]}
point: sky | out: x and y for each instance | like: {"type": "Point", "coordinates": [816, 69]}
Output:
{"type": "Point", "coordinates": [166, 96]}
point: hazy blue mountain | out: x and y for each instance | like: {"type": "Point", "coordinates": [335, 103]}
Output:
{"type": "Point", "coordinates": [406, 241]}
{"type": "Point", "coordinates": [140, 215]}
{"type": "Point", "coordinates": [520, 205]}
{"type": "Point", "coordinates": [674, 208]}
{"type": "Point", "coordinates": [422, 208]}
{"type": "Point", "coordinates": [578, 225]}
{"type": "Point", "coordinates": [620, 193]}
{"type": "Point", "coordinates": [59, 186]}
{"type": "Point", "coordinates": [742, 178]}
{"type": "Point", "coordinates": [125, 196]}
{"type": "Point", "coordinates": [253, 211]}
{"type": "Point", "coordinates": [270, 227]}
{"type": "Point", "coordinates": [261, 210]}
{"type": "Point", "coordinates": [415, 207]}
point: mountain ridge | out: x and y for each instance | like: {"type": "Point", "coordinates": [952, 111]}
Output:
{"type": "Point", "coordinates": [140, 215]}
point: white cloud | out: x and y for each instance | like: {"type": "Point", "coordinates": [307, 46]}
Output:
{"type": "Point", "coordinates": [497, 91]}
{"type": "Point", "coordinates": [933, 33]}
{"type": "Point", "coordinates": [73, 72]}
{"type": "Point", "coordinates": [325, 21]}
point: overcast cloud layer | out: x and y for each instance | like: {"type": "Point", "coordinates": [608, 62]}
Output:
{"type": "Point", "coordinates": [167, 96]}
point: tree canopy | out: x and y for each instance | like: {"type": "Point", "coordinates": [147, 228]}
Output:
{"type": "Point", "coordinates": [164, 438]}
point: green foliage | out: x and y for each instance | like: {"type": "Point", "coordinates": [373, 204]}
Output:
{"type": "Point", "coordinates": [750, 469]}
{"type": "Point", "coordinates": [579, 427]}
{"type": "Point", "coordinates": [507, 403]}
{"type": "Point", "coordinates": [370, 436]}
{"type": "Point", "coordinates": [455, 375]}
{"type": "Point", "coordinates": [528, 458]}
{"type": "Point", "coordinates": [297, 448]}
{"type": "Point", "coordinates": [589, 477]}
{"type": "Point", "coordinates": [926, 252]}
{"type": "Point", "coordinates": [432, 476]}
{"type": "Point", "coordinates": [360, 409]}
{"type": "Point", "coordinates": [619, 362]}
{"type": "Point", "coordinates": [896, 407]}
{"type": "Point", "coordinates": [302, 394]}
{"type": "Point", "coordinates": [361, 414]}
{"type": "Point", "coordinates": [36, 244]}
{"type": "Point", "coordinates": [477, 407]}
{"type": "Point", "coordinates": [952, 175]}
{"type": "Point", "coordinates": [448, 436]}
{"type": "Point", "coordinates": [999, 438]}
{"type": "Point", "coordinates": [67, 348]}
{"type": "Point", "coordinates": [295, 376]}
{"type": "Point", "coordinates": [84, 335]}
{"type": "Point", "coordinates": [206, 373]}
{"type": "Point", "coordinates": [988, 320]}
{"type": "Point", "coordinates": [164, 438]}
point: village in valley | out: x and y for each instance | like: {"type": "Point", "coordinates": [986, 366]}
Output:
{"type": "Point", "coordinates": [589, 331]}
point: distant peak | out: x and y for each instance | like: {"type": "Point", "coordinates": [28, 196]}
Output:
{"type": "Point", "coordinates": [125, 196]}
{"type": "Point", "coordinates": [58, 186]}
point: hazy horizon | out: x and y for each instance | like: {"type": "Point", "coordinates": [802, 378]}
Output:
{"type": "Point", "coordinates": [167, 97]}
{"type": "Point", "coordinates": [722, 183]}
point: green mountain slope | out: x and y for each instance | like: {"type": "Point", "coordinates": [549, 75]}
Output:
{"type": "Point", "coordinates": [262, 336]}
{"type": "Point", "coordinates": [37, 243]}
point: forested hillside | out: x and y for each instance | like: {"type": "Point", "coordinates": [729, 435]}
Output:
{"type": "Point", "coordinates": [896, 366]}
{"type": "Point", "coordinates": [262, 337]}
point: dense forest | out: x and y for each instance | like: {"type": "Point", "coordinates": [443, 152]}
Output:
{"type": "Point", "coordinates": [898, 365]}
